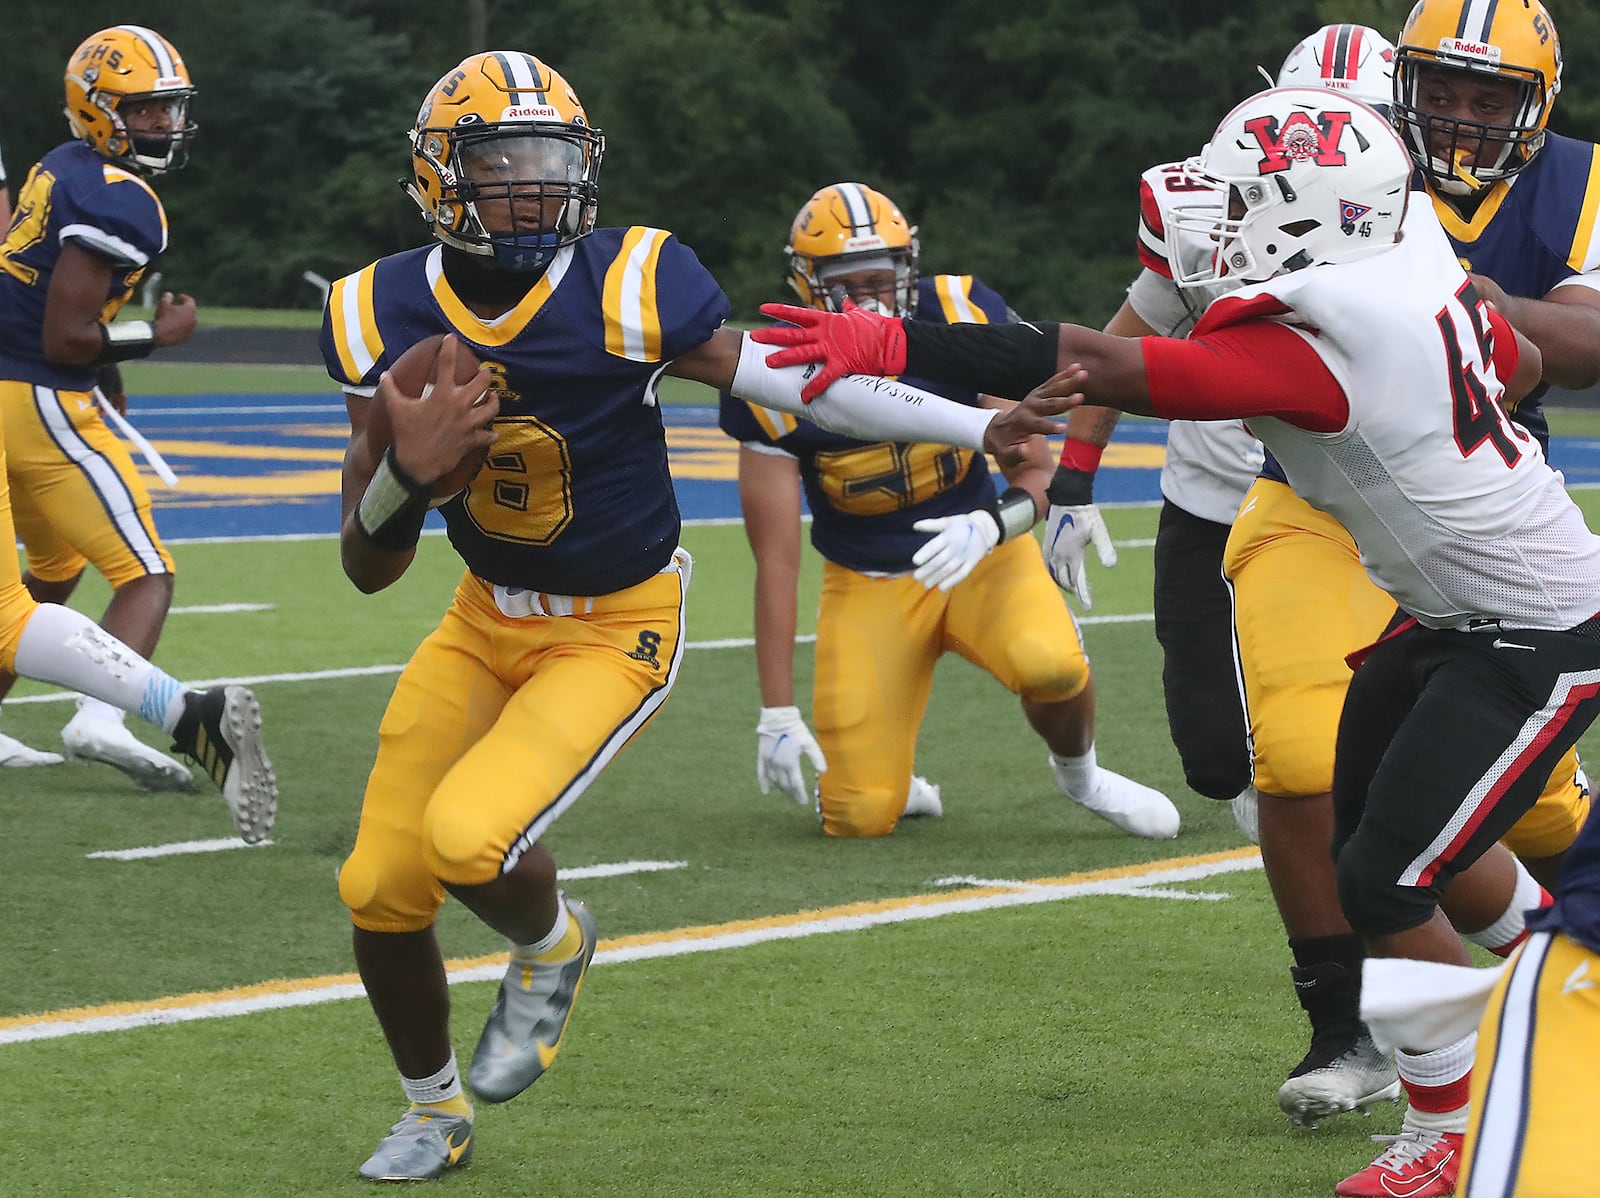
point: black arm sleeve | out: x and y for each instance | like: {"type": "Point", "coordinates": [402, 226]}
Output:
{"type": "Point", "coordinates": [1007, 360]}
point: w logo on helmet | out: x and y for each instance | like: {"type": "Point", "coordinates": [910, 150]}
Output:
{"type": "Point", "coordinates": [1299, 139]}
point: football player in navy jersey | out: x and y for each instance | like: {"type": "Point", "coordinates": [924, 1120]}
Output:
{"type": "Point", "coordinates": [566, 631]}
{"type": "Point", "coordinates": [88, 226]}
{"type": "Point", "coordinates": [895, 599]}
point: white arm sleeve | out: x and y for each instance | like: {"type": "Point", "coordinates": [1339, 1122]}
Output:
{"type": "Point", "coordinates": [858, 405]}
{"type": "Point", "coordinates": [1161, 304]}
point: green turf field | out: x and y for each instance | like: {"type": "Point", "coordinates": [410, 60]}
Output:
{"type": "Point", "coordinates": [1122, 1041]}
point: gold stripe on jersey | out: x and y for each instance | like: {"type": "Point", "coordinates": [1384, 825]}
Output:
{"type": "Point", "coordinates": [1470, 230]}
{"type": "Point", "coordinates": [502, 329]}
{"type": "Point", "coordinates": [633, 322]}
{"type": "Point", "coordinates": [1585, 253]}
{"type": "Point", "coordinates": [777, 424]}
{"type": "Point", "coordinates": [355, 325]}
{"type": "Point", "coordinates": [115, 174]}
{"type": "Point", "coordinates": [955, 297]}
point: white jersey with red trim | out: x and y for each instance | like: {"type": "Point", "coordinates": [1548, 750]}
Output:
{"type": "Point", "coordinates": [1209, 464]}
{"type": "Point", "coordinates": [1456, 513]}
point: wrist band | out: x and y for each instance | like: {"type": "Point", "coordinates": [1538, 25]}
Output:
{"type": "Point", "coordinates": [1070, 487]}
{"type": "Point", "coordinates": [393, 507]}
{"type": "Point", "coordinates": [126, 339]}
{"type": "Point", "coordinates": [1014, 512]}
{"type": "Point", "coordinates": [1081, 455]}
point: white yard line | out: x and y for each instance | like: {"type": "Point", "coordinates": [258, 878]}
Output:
{"type": "Point", "coordinates": [177, 849]}
{"type": "Point", "coordinates": [219, 609]}
{"type": "Point", "coordinates": [680, 942]}
{"type": "Point", "coordinates": [743, 642]}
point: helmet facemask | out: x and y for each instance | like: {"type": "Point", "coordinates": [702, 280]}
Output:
{"type": "Point", "coordinates": [513, 191]}
{"type": "Point", "coordinates": [896, 265]}
{"type": "Point", "coordinates": [1292, 178]}
{"type": "Point", "coordinates": [1438, 143]}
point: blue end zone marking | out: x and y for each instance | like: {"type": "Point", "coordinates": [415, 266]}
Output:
{"type": "Point", "coordinates": [268, 465]}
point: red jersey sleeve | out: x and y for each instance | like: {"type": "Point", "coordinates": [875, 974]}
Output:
{"type": "Point", "coordinates": [1256, 368]}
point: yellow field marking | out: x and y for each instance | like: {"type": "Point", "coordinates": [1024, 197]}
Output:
{"type": "Point", "coordinates": [25, 1027]}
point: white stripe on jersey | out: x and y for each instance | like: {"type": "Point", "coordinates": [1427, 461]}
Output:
{"type": "Point", "coordinates": [1503, 1122]}
{"type": "Point", "coordinates": [630, 303]}
{"type": "Point", "coordinates": [114, 495]}
{"type": "Point", "coordinates": [349, 289]}
{"type": "Point", "coordinates": [949, 287]}
{"type": "Point", "coordinates": [109, 244]}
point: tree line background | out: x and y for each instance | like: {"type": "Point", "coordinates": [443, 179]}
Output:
{"type": "Point", "coordinates": [1013, 134]}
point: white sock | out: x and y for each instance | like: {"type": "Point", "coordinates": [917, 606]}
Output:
{"type": "Point", "coordinates": [1507, 932]}
{"type": "Point", "coordinates": [437, 1088]}
{"type": "Point", "coordinates": [67, 648]}
{"type": "Point", "coordinates": [1438, 1079]}
{"type": "Point", "coordinates": [527, 952]}
{"type": "Point", "coordinates": [1077, 775]}
{"type": "Point", "coordinates": [99, 709]}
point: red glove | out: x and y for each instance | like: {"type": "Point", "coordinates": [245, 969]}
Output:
{"type": "Point", "coordinates": [854, 341]}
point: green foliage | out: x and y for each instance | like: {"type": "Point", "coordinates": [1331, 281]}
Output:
{"type": "Point", "coordinates": [1013, 135]}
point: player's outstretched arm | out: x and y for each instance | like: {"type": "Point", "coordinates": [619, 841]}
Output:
{"type": "Point", "coordinates": [874, 409]}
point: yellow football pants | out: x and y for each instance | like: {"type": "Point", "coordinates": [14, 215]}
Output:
{"type": "Point", "coordinates": [1533, 1083]}
{"type": "Point", "coordinates": [877, 642]}
{"type": "Point", "coordinates": [496, 726]}
{"type": "Point", "coordinates": [1301, 602]}
{"type": "Point", "coordinates": [76, 496]}
{"type": "Point", "coordinates": [16, 605]}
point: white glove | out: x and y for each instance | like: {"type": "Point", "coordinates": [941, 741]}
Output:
{"type": "Point", "coordinates": [781, 737]}
{"type": "Point", "coordinates": [959, 544]}
{"type": "Point", "coordinates": [1068, 533]}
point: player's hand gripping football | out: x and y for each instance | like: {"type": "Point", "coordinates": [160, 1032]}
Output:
{"type": "Point", "coordinates": [434, 431]}
{"type": "Point", "coordinates": [854, 341]}
{"type": "Point", "coordinates": [782, 738]}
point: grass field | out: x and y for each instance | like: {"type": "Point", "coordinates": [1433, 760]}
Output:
{"type": "Point", "coordinates": [997, 1002]}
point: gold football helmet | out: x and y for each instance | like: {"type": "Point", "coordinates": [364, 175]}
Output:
{"type": "Point", "coordinates": [1473, 40]}
{"type": "Point", "coordinates": [504, 162]}
{"type": "Point", "coordinates": [110, 73]}
{"type": "Point", "coordinates": [849, 227]}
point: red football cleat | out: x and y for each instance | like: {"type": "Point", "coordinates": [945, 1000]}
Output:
{"type": "Point", "coordinates": [1416, 1164]}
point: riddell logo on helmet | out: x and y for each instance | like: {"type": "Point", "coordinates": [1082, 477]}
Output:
{"type": "Point", "coordinates": [1484, 51]}
{"type": "Point", "coordinates": [530, 112]}
{"type": "Point", "coordinates": [870, 242]}
{"type": "Point", "coordinates": [1299, 139]}
{"type": "Point", "coordinates": [169, 83]}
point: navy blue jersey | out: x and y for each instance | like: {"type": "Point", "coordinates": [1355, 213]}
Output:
{"type": "Point", "coordinates": [866, 495]}
{"type": "Point", "coordinates": [72, 194]}
{"type": "Point", "coordinates": [575, 498]}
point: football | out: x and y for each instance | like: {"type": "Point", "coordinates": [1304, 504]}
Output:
{"type": "Point", "coordinates": [413, 374]}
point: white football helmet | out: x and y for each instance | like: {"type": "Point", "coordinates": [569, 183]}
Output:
{"type": "Point", "coordinates": [1353, 60]}
{"type": "Point", "coordinates": [1308, 178]}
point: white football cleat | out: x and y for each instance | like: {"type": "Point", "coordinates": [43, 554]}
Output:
{"type": "Point", "coordinates": [90, 737]}
{"type": "Point", "coordinates": [16, 755]}
{"type": "Point", "coordinates": [1130, 805]}
{"type": "Point", "coordinates": [922, 799]}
